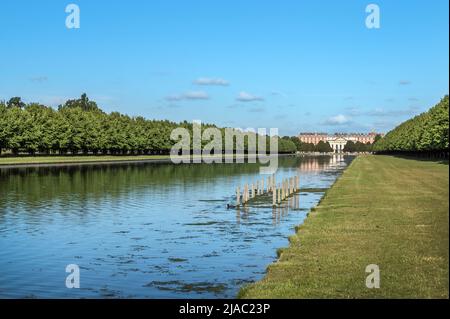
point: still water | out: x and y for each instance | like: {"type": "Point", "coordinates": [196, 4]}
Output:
{"type": "Point", "coordinates": [146, 230]}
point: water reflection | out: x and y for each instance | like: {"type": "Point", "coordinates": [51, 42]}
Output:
{"type": "Point", "coordinates": [146, 230]}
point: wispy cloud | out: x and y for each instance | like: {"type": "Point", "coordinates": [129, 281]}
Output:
{"type": "Point", "coordinates": [191, 95]}
{"type": "Point", "coordinates": [380, 112]}
{"type": "Point", "coordinates": [39, 79]}
{"type": "Point", "coordinates": [353, 110]}
{"type": "Point", "coordinates": [404, 82]}
{"type": "Point", "coordinates": [279, 93]}
{"type": "Point", "coordinates": [247, 97]}
{"type": "Point", "coordinates": [280, 116]}
{"type": "Point", "coordinates": [257, 110]}
{"type": "Point", "coordinates": [52, 100]}
{"type": "Point", "coordinates": [211, 81]}
{"type": "Point", "coordinates": [337, 120]}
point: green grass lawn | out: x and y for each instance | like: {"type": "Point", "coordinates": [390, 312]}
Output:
{"type": "Point", "coordinates": [383, 210]}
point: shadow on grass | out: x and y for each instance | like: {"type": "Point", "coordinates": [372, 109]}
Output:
{"type": "Point", "coordinates": [419, 157]}
{"type": "Point", "coordinates": [423, 159]}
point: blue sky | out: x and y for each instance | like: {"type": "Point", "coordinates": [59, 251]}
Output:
{"type": "Point", "coordinates": [295, 65]}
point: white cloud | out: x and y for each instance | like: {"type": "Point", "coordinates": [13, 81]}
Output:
{"type": "Point", "coordinates": [211, 81]}
{"type": "Point", "coordinates": [52, 100]}
{"type": "Point", "coordinates": [196, 95]}
{"type": "Point", "coordinates": [191, 95]}
{"type": "Point", "coordinates": [337, 120]}
{"type": "Point", "coordinates": [247, 97]}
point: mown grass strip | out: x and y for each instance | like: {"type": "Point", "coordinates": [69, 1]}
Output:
{"type": "Point", "coordinates": [383, 210]}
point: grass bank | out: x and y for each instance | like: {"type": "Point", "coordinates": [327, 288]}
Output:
{"type": "Point", "coordinates": [24, 160]}
{"type": "Point", "coordinates": [383, 210]}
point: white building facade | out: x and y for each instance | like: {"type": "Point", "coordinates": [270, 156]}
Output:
{"type": "Point", "coordinates": [338, 140]}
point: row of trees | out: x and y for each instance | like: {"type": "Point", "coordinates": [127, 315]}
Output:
{"type": "Point", "coordinates": [321, 147]}
{"type": "Point", "coordinates": [79, 125]}
{"type": "Point", "coordinates": [425, 133]}
{"type": "Point", "coordinates": [357, 147]}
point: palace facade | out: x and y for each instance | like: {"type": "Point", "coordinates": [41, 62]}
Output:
{"type": "Point", "coordinates": [338, 140]}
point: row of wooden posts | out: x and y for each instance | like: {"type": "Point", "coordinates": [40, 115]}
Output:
{"type": "Point", "coordinates": [280, 192]}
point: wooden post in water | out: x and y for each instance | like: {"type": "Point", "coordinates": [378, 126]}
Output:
{"type": "Point", "coordinates": [286, 193]}
{"type": "Point", "coordinates": [262, 185]}
{"type": "Point", "coordinates": [245, 194]}
{"type": "Point", "coordinates": [288, 185]}
{"type": "Point", "coordinates": [269, 183]}
{"type": "Point", "coordinates": [274, 199]}
{"type": "Point", "coordinates": [238, 196]}
{"type": "Point", "coordinates": [278, 191]}
{"type": "Point", "coordinates": [253, 190]}
{"type": "Point", "coordinates": [275, 184]}
{"type": "Point", "coordinates": [288, 188]}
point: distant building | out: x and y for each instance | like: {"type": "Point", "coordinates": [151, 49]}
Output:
{"type": "Point", "coordinates": [314, 138]}
{"type": "Point", "coordinates": [338, 140]}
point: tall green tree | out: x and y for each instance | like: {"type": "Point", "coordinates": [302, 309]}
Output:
{"type": "Point", "coordinates": [16, 102]}
{"type": "Point", "coordinates": [427, 132]}
{"type": "Point", "coordinates": [323, 147]}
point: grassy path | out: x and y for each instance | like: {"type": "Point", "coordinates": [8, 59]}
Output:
{"type": "Point", "coordinates": [384, 210]}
